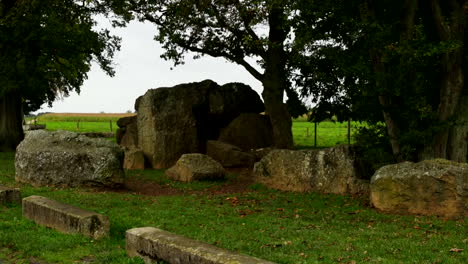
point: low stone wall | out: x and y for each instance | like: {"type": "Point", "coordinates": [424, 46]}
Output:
{"type": "Point", "coordinates": [154, 244]}
{"type": "Point", "coordinates": [64, 217]}
{"type": "Point", "coordinates": [9, 195]}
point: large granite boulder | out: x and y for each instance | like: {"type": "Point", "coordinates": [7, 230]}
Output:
{"type": "Point", "coordinates": [431, 187]}
{"type": "Point", "coordinates": [248, 131]}
{"type": "Point", "coordinates": [196, 167]}
{"type": "Point", "coordinates": [333, 170]}
{"type": "Point", "coordinates": [178, 120]}
{"type": "Point", "coordinates": [65, 158]}
{"type": "Point", "coordinates": [229, 155]}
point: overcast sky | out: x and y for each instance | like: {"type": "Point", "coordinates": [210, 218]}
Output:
{"type": "Point", "coordinates": [139, 68]}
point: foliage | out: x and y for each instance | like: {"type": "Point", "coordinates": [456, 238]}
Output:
{"type": "Point", "coordinates": [47, 48]}
{"type": "Point", "coordinates": [371, 60]}
{"type": "Point", "coordinates": [283, 227]}
{"type": "Point", "coordinates": [373, 146]}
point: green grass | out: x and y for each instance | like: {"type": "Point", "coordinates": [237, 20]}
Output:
{"type": "Point", "coordinates": [80, 126]}
{"type": "Point", "coordinates": [328, 133]}
{"type": "Point", "coordinates": [283, 227]}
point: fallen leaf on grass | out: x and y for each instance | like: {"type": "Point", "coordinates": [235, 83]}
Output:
{"type": "Point", "coordinates": [456, 250]}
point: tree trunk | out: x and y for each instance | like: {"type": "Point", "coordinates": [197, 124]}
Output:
{"type": "Point", "coordinates": [11, 127]}
{"type": "Point", "coordinates": [279, 116]}
{"type": "Point", "coordinates": [275, 80]}
{"type": "Point", "coordinates": [368, 15]}
{"type": "Point", "coordinates": [451, 142]}
{"type": "Point", "coordinates": [458, 137]}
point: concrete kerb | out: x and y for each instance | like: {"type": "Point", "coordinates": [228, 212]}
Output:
{"type": "Point", "coordinates": [153, 244]}
{"type": "Point", "coordinates": [9, 195]}
{"type": "Point", "coordinates": [64, 217]}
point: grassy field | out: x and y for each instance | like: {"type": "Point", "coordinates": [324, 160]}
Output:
{"type": "Point", "coordinates": [84, 122]}
{"type": "Point", "coordinates": [328, 133]}
{"type": "Point", "coordinates": [283, 227]}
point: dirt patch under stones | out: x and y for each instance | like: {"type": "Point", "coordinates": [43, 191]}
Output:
{"type": "Point", "coordinates": [239, 184]}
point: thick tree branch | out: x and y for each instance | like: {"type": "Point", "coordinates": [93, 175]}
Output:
{"type": "Point", "coordinates": [245, 20]}
{"type": "Point", "coordinates": [217, 54]}
{"type": "Point", "coordinates": [442, 29]}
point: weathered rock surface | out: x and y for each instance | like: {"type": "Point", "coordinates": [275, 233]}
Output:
{"type": "Point", "coordinates": [261, 152]}
{"type": "Point", "coordinates": [127, 134]}
{"type": "Point", "coordinates": [229, 155]}
{"type": "Point", "coordinates": [248, 131]}
{"type": "Point", "coordinates": [431, 187]}
{"type": "Point", "coordinates": [134, 160]}
{"type": "Point", "coordinates": [194, 167]}
{"type": "Point", "coordinates": [154, 244]}
{"type": "Point", "coordinates": [332, 170]}
{"type": "Point", "coordinates": [65, 158]}
{"type": "Point", "coordinates": [178, 120]}
{"type": "Point", "coordinates": [64, 217]}
{"type": "Point", "coordinates": [9, 195]}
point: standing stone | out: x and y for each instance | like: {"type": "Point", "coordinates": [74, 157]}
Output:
{"type": "Point", "coordinates": [430, 187]}
{"type": "Point", "coordinates": [127, 134]}
{"type": "Point", "coordinates": [134, 160]}
{"type": "Point", "coordinates": [332, 170]}
{"type": "Point", "coordinates": [64, 158]}
{"type": "Point", "coordinates": [178, 120]}
{"type": "Point", "coordinates": [229, 155]}
{"type": "Point", "coordinates": [249, 131]}
{"type": "Point", "coordinates": [195, 167]}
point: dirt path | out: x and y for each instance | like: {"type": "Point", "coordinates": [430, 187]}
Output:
{"type": "Point", "coordinates": [145, 187]}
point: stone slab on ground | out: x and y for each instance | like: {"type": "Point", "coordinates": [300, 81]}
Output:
{"type": "Point", "coordinates": [153, 244]}
{"type": "Point", "coordinates": [9, 195]}
{"type": "Point", "coordinates": [64, 217]}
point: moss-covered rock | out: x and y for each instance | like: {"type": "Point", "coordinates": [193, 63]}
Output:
{"type": "Point", "coordinates": [196, 167]}
{"type": "Point", "coordinates": [64, 158]}
{"type": "Point", "coordinates": [431, 187]}
{"type": "Point", "coordinates": [333, 170]}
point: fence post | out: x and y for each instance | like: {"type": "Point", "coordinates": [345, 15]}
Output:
{"type": "Point", "coordinates": [78, 125]}
{"type": "Point", "coordinates": [110, 122]}
{"type": "Point", "coordinates": [315, 134]}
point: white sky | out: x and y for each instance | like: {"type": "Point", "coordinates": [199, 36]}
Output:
{"type": "Point", "coordinates": [139, 68]}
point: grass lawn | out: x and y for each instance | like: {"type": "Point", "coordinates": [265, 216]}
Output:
{"type": "Point", "coordinates": [283, 227]}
